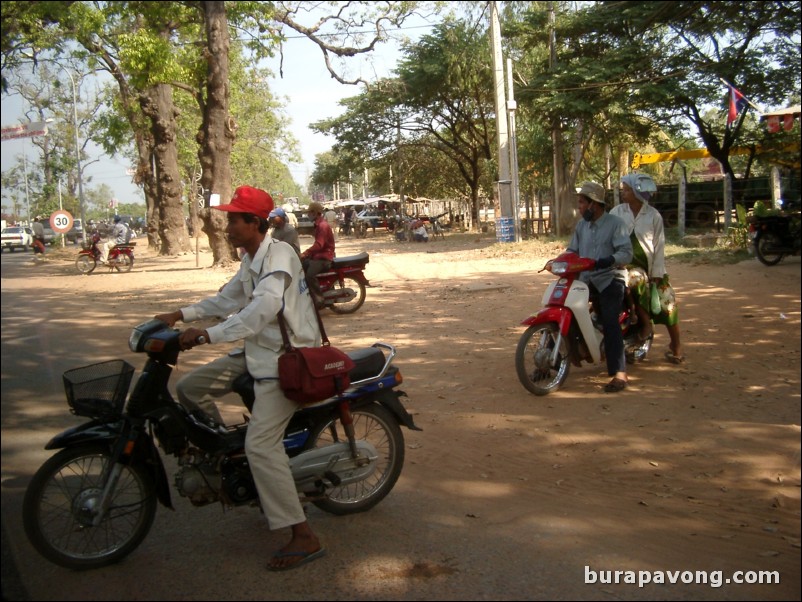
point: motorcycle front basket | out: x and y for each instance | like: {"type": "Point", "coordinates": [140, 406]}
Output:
{"type": "Point", "coordinates": [98, 390]}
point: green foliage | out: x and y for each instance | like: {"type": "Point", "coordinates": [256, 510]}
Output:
{"type": "Point", "coordinates": [439, 107]}
{"type": "Point", "coordinates": [738, 235]}
{"type": "Point", "coordinates": [761, 209]}
{"type": "Point", "coordinates": [628, 72]}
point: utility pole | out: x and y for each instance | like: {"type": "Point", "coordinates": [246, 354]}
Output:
{"type": "Point", "coordinates": [504, 181]}
{"type": "Point", "coordinates": [77, 145]}
{"type": "Point", "coordinates": [511, 106]}
{"type": "Point", "coordinates": [555, 210]}
{"type": "Point", "coordinates": [27, 194]}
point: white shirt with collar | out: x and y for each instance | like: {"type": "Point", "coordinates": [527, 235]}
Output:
{"type": "Point", "coordinates": [249, 304]}
{"type": "Point", "coordinates": [649, 230]}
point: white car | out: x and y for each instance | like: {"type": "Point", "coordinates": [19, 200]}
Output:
{"type": "Point", "coordinates": [17, 237]}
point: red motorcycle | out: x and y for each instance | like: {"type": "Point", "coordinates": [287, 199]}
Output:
{"type": "Point", "coordinates": [568, 330]}
{"type": "Point", "coordinates": [121, 257]}
{"type": "Point", "coordinates": [343, 285]}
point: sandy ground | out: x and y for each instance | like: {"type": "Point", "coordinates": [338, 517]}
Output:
{"type": "Point", "coordinates": [504, 495]}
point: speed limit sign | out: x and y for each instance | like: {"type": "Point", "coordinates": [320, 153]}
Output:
{"type": "Point", "coordinates": [61, 221]}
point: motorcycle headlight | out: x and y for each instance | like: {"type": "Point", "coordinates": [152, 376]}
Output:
{"type": "Point", "coordinates": [559, 267]}
{"type": "Point", "coordinates": [142, 330]}
{"type": "Point", "coordinates": [133, 340]}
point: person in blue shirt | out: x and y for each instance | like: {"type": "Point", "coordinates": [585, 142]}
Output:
{"type": "Point", "coordinates": [119, 236]}
{"type": "Point", "coordinates": [605, 238]}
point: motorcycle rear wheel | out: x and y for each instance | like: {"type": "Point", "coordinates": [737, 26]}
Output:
{"type": "Point", "coordinates": [354, 304]}
{"type": "Point", "coordinates": [59, 503]}
{"type": "Point", "coordinates": [123, 263]}
{"type": "Point", "coordinates": [533, 359]}
{"type": "Point", "coordinates": [374, 424]}
{"type": "Point", "coordinates": [766, 244]}
{"type": "Point", "coordinates": [85, 264]}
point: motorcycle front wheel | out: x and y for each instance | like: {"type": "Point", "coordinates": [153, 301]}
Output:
{"type": "Point", "coordinates": [61, 503]}
{"type": "Point", "coordinates": [378, 427]}
{"type": "Point", "coordinates": [533, 359]}
{"type": "Point", "coordinates": [766, 245]}
{"type": "Point", "coordinates": [123, 262]}
{"type": "Point", "coordinates": [349, 307]}
{"type": "Point", "coordinates": [85, 264]}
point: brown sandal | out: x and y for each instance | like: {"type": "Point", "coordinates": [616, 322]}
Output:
{"type": "Point", "coordinates": [615, 385]}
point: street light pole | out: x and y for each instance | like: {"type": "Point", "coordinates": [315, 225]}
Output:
{"type": "Point", "coordinates": [77, 147]}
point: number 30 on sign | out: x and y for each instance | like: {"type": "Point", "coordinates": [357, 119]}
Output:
{"type": "Point", "coordinates": [61, 221]}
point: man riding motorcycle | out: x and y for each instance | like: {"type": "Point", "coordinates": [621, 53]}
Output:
{"type": "Point", "coordinates": [317, 258]}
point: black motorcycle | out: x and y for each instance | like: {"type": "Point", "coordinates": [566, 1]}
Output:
{"type": "Point", "coordinates": [93, 502]}
{"type": "Point", "coordinates": [777, 235]}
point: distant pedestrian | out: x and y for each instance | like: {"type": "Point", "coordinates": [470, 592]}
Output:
{"type": "Point", "coordinates": [283, 230]}
{"type": "Point", "coordinates": [331, 218]}
{"type": "Point", "coordinates": [38, 237]}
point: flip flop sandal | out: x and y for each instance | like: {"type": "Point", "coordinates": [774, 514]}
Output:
{"type": "Point", "coordinates": [305, 558]}
{"type": "Point", "coordinates": [674, 359]}
{"type": "Point", "coordinates": [615, 385]}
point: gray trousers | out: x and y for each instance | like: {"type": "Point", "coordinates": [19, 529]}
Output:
{"type": "Point", "coordinates": [264, 446]}
{"type": "Point", "coordinates": [313, 267]}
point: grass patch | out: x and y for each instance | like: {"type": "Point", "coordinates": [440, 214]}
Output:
{"type": "Point", "coordinates": [718, 255]}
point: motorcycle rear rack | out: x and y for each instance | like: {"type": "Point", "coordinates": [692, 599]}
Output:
{"type": "Point", "coordinates": [387, 363]}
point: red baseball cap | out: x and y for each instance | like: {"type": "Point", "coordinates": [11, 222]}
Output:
{"type": "Point", "coordinates": [248, 199]}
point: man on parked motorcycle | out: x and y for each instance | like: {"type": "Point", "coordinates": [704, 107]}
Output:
{"type": "Point", "coordinates": [605, 238]}
{"type": "Point", "coordinates": [270, 277]}
{"type": "Point", "coordinates": [283, 230]}
{"type": "Point", "coordinates": [317, 258]}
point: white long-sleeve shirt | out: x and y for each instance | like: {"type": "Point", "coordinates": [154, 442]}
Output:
{"type": "Point", "coordinates": [272, 279]}
{"type": "Point", "coordinates": [648, 228]}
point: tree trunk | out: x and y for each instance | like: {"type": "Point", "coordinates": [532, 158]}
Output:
{"type": "Point", "coordinates": [157, 105]}
{"type": "Point", "coordinates": [561, 214]}
{"type": "Point", "coordinates": [146, 178]}
{"type": "Point", "coordinates": [217, 131]}
{"type": "Point", "coordinates": [623, 169]}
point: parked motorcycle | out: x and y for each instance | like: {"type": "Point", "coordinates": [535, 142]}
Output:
{"type": "Point", "coordinates": [93, 502]}
{"type": "Point", "coordinates": [344, 285]}
{"type": "Point", "coordinates": [568, 330]}
{"type": "Point", "coordinates": [776, 236]}
{"type": "Point", "coordinates": [121, 257]}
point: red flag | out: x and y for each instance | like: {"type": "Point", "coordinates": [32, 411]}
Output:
{"type": "Point", "coordinates": [737, 104]}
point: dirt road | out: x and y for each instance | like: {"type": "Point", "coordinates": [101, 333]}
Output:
{"type": "Point", "coordinates": [504, 495]}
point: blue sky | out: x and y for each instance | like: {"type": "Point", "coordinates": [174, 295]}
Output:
{"type": "Point", "coordinates": [312, 94]}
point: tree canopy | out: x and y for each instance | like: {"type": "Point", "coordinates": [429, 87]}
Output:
{"type": "Point", "coordinates": [593, 82]}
